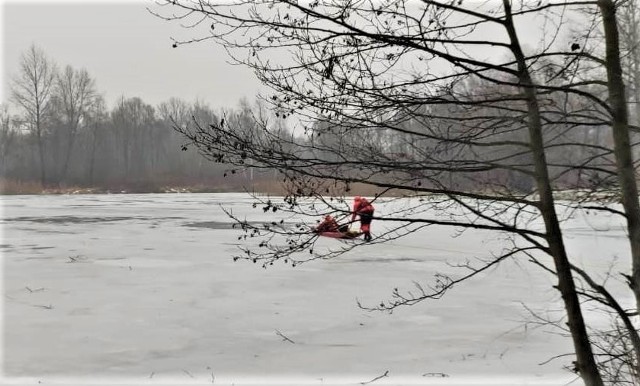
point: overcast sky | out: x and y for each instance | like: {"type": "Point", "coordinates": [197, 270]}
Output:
{"type": "Point", "coordinates": [125, 49]}
{"type": "Point", "coordinates": [129, 53]}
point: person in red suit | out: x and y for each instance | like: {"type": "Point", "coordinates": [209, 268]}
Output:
{"type": "Point", "coordinates": [363, 208]}
{"type": "Point", "coordinates": [329, 224]}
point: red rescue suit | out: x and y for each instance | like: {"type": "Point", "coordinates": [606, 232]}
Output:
{"type": "Point", "coordinates": [363, 209]}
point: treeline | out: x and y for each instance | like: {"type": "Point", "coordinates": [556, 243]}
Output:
{"type": "Point", "coordinates": [62, 136]}
{"type": "Point", "coordinates": [490, 151]}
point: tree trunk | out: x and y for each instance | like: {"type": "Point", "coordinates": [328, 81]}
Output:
{"type": "Point", "coordinates": [585, 361]}
{"type": "Point", "coordinates": [631, 37]}
{"type": "Point", "coordinates": [622, 144]}
{"type": "Point", "coordinates": [65, 164]}
{"type": "Point", "coordinates": [621, 140]}
{"type": "Point", "coordinates": [92, 155]}
{"type": "Point", "coordinates": [43, 173]}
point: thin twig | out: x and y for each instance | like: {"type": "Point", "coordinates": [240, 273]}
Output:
{"type": "Point", "coordinates": [386, 374]}
{"type": "Point", "coordinates": [553, 358]}
{"type": "Point", "coordinates": [76, 258]}
{"type": "Point", "coordinates": [284, 337]}
{"type": "Point", "coordinates": [443, 375]}
{"type": "Point", "coordinates": [49, 307]}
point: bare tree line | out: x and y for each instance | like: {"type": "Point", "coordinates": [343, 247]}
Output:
{"type": "Point", "coordinates": [64, 135]}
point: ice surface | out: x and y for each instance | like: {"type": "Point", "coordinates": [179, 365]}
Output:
{"type": "Point", "coordinates": [142, 289]}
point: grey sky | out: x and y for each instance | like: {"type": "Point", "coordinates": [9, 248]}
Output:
{"type": "Point", "coordinates": [125, 49]}
{"type": "Point", "coordinates": [129, 52]}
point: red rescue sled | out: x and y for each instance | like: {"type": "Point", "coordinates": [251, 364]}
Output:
{"type": "Point", "coordinates": [340, 235]}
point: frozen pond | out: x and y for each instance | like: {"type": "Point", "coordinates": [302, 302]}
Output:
{"type": "Point", "coordinates": [142, 289]}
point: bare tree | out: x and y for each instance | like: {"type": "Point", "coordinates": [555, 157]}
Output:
{"type": "Point", "coordinates": [8, 134]}
{"type": "Point", "coordinates": [629, 28]}
{"type": "Point", "coordinates": [361, 76]}
{"type": "Point", "coordinates": [96, 123]}
{"type": "Point", "coordinates": [626, 170]}
{"type": "Point", "coordinates": [132, 121]}
{"type": "Point", "coordinates": [32, 89]}
{"type": "Point", "coordinates": [74, 93]}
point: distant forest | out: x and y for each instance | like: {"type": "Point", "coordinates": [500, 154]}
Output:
{"type": "Point", "coordinates": [60, 136]}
